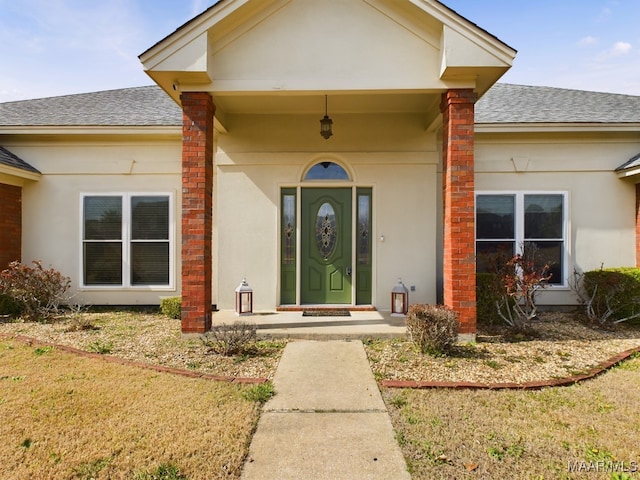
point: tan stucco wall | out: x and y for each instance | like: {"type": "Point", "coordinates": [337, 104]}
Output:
{"type": "Point", "coordinates": [601, 207]}
{"type": "Point", "coordinates": [392, 154]}
{"type": "Point", "coordinates": [51, 206]}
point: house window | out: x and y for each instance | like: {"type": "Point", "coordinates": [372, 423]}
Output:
{"type": "Point", "coordinates": [326, 171]}
{"type": "Point", "coordinates": [127, 240]}
{"type": "Point", "coordinates": [506, 221]}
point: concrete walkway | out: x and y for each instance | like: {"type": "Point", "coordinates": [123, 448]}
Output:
{"type": "Point", "coordinates": [326, 421]}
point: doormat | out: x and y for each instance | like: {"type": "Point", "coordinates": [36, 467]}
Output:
{"type": "Point", "coordinates": [326, 313]}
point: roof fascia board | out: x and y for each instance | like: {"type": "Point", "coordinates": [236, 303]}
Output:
{"type": "Point", "coordinates": [19, 172]}
{"type": "Point", "coordinates": [385, 9]}
{"type": "Point", "coordinates": [631, 173]}
{"type": "Point", "coordinates": [219, 39]}
{"type": "Point", "coordinates": [468, 29]}
{"type": "Point", "coordinates": [188, 32]}
{"type": "Point", "coordinates": [202, 24]}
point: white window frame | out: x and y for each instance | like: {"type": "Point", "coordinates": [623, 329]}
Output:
{"type": "Point", "coordinates": [519, 224]}
{"type": "Point", "coordinates": [127, 241]}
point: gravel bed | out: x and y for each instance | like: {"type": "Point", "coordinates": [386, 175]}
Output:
{"type": "Point", "coordinates": [148, 338]}
{"type": "Point", "coordinates": [563, 347]}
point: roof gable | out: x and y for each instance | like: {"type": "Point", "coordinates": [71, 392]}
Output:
{"type": "Point", "coordinates": [276, 47]}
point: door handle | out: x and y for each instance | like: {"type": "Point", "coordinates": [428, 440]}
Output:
{"type": "Point", "coordinates": [348, 270]}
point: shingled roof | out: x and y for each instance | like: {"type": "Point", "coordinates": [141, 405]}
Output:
{"type": "Point", "coordinates": [11, 160]}
{"type": "Point", "coordinates": [507, 103]}
{"type": "Point", "coordinates": [150, 106]}
{"type": "Point", "coordinates": [139, 106]}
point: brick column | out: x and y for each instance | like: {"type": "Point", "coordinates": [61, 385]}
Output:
{"type": "Point", "coordinates": [10, 225]}
{"type": "Point", "coordinates": [637, 224]}
{"type": "Point", "coordinates": [459, 269]}
{"type": "Point", "coordinates": [197, 210]}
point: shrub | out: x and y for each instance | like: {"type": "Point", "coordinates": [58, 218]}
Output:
{"type": "Point", "coordinates": [488, 296]}
{"type": "Point", "coordinates": [516, 281]}
{"type": "Point", "coordinates": [610, 295]}
{"type": "Point", "coordinates": [171, 307]}
{"type": "Point", "coordinates": [231, 339]}
{"type": "Point", "coordinates": [39, 292]}
{"type": "Point", "coordinates": [10, 306]}
{"type": "Point", "coordinates": [433, 328]}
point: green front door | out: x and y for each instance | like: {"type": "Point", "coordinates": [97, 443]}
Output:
{"type": "Point", "coordinates": [326, 269]}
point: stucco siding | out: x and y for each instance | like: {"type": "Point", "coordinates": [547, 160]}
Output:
{"type": "Point", "coordinates": [395, 157]}
{"type": "Point", "coordinates": [52, 206]}
{"type": "Point", "coordinates": [600, 206]}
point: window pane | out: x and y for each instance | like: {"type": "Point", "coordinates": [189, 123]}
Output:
{"type": "Point", "coordinates": [364, 229]}
{"type": "Point", "coordinates": [326, 230]}
{"type": "Point", "coordinates": [150, 263]}
{"type": "Point", "coordinates": [102, 218]}
{"type": "Point", "coordinates": [326, 171]}
{"type": "Point", "coordinates": [489, 255]}
{"type": "Point", "coordinates": [495, 216]}
{"type": "Point", "coordinates": [551, 253]}
{"type": "Point", "coordinates": [103, 263]}
{"type": "Point", "coordinates": [288, 229]}
{"type": "Point", "coordinates": [150, 218]}
{"type": "Point", "coordinates": [543, 216]}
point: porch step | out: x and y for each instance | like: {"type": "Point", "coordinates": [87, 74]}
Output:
{"type": "Point", "coordinates": [291, 324]}
{"type": "Point", "coordinates": [321, 308]}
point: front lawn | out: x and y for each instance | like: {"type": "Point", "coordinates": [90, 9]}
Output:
{"type": "Point", "coordinates": [587, 430]}
{"type": "Point", "coordinates": [66, 417]}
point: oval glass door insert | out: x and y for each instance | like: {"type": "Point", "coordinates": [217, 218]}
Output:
{"type": "Point", "coordinates": [326, 230]}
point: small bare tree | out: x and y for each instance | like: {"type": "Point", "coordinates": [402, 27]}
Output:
{"type": "Point", "coordinates": [521, 278]}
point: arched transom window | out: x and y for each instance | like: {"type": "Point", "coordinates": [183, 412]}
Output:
{"type": "Point", "coordinates": [326, 171]}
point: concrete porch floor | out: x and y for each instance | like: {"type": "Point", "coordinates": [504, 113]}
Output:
{"type": "Point", "coordinates": [360, 325]}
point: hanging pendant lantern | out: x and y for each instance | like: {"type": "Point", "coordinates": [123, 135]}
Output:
{"type": "Point", "coordinates": [326, 123]}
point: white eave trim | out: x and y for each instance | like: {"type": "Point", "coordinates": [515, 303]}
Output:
{"type": "Point", "coordinates": [629, 173]}
{"type": "Point", "coordinates": [555, 127]}
{"type": "Point", "coordinates": [20, 172]}
{"type": "Point", "coordinates": [187, 32]}
{"type": "Point", "coordinates": [90, 130]}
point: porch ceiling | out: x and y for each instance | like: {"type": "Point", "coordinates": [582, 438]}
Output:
{"type": "Point", "coordinates": [338, 103]}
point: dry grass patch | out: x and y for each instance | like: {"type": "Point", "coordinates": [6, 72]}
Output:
{"type": "Point", "coordinates": [149, 338]}
{"type": "Point", "coordinates": [485, 434]}
{"type": "Point", "coordinates": [67, 417]}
